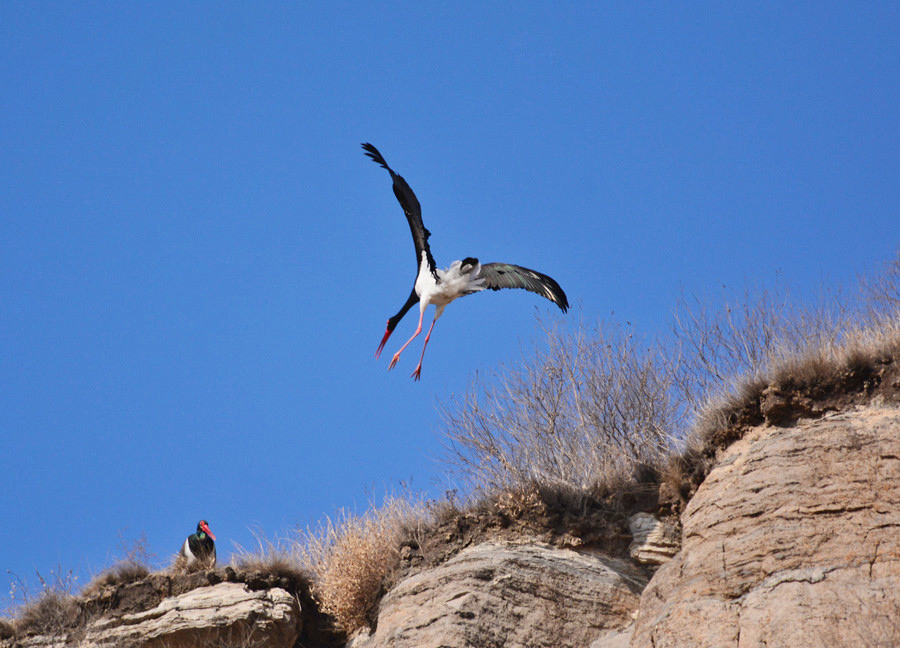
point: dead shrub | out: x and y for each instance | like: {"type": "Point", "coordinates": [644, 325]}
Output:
{"type": "Point", "coordinates": [731, 345]}
{"type": "Point", "coordinates": [729, 353]}
{"type": "Point", "coordinates": [585, 408]}
{"type": "Point", "coordinates": [881, 289]}
{"type": "Point", "coordinates": [591, 409]}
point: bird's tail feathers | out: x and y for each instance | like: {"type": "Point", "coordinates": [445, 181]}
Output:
{"type": "Point", "coordinates": [464, 276]}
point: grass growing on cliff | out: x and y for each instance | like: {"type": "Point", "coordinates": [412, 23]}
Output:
{"type": "Point", "coordinates": [731, 356]}
{"type": "Point", "coordinates": [280, 560]}
{"type": "Point", "coordinates": [588, 418]}
{"type": "Point", "coordinates": [134, 564]}
{"type": "Point", "coordinates": [55, 607]}
{"type": "Point", "coordinates": [591, 414]}
{"type": "Point", "coordinates": [590, 409]}
{"type": "Point", "coordinates": [49, 609]}
{"type": "Point", "coordinates": [351, 557]}
{"type": "Point", "coordinates": [587, 408]}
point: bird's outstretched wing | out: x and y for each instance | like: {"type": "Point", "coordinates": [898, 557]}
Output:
{"type": "Point", "coordinates": [506, 275]}
{"type": "Point", "coordinates": [411, 208]}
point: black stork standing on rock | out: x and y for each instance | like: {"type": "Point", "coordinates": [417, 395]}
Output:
{"type": "Point", "coordinates": [200, 546]}
{"type": "Point", "coordinates": [440, 287]}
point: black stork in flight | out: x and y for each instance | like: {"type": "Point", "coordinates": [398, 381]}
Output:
{"type": "Point", "coordinates": [200, 546]}
{"type": "Point", "coordinates": [440, 287]}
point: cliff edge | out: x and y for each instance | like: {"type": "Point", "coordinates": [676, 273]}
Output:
{"type": "Point", "coordinates": [792, 538]}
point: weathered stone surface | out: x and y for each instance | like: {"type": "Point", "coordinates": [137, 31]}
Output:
{"type": "Point", "coordinates": [654, 541]}
{"type": "Point", "coordinates": [614, 638]}
{"type": "Point", "coordinates": [509, 595]}
{"type": "Point", "coordinates": [792, 540]}
{"type": "Point", "coordinates": [223, 614]}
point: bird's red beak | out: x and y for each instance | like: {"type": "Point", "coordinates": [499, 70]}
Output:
{"type": "Point", "coordinates": [387, 334]}
{"type": "Point", "coordinates": [205, 528]}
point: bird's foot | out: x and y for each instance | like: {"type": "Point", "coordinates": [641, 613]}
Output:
{"type": "Point", "coordinates": [417, 374]}
{"type": "Point", "coordinates": [394, 361]}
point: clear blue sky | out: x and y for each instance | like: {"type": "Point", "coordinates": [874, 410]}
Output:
{"type": "Point", "coordinates": [197, 261]}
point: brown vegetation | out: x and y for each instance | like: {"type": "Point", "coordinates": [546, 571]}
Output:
{"type": "Point", "coordinates": [587, 409]}
{"type": "Point", "coordinates": [769, 361]}
{"type": "Point", "coordinates": [591, 425]}
{"type": "Point", "coordinates": [353, 557]}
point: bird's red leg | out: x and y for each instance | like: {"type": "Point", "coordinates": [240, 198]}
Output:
{"type": "Point", "coordinates": [417, 374]}
{"type": "Point", "coordinates": [418, 330]}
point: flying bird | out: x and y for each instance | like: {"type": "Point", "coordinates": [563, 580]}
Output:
{"type": "Point", "coordinates": [200, 546]}
{"type": "Point", "coordinates": [440, 287]}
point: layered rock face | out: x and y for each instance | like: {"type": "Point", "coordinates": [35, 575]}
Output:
{"type": "Point", "coordinates": [227, 614]}
{"type": "Point", "coordinates": [792, 540]}
{"type": "Point", "coordinates": [509, 595]}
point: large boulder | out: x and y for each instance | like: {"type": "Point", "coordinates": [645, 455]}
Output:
{"type": "Point", "coordinates": [223, 614]}
{"type": "Point", "coordinates": [509, 595]}
{"type": "Point", "coordinates": [792, 540]}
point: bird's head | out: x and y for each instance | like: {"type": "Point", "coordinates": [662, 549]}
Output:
{"type": "Point", "coordinates": [468, 265]}
{"type": "Point", "coordinates": [203, 527]}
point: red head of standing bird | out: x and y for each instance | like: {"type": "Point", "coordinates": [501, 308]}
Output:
{"type": "Point", "coordinates": [200, 546]}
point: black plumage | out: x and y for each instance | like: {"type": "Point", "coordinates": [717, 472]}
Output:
{"type": "Point", "coordinates": [440, 287]}
{"type": "Point", "coordinates": [200, 546]}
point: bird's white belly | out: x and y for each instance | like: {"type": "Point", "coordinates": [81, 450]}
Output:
{"type": "Point", "coordinates": [187, 553]}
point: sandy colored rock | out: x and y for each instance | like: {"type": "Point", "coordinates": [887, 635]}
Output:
{"type": "Point", "coordinates": [223, 614]}
{"type": "Point", "coordinates": [614, 638]}
{"type": "Point", "coordinates": [792, 540]}
{"type": "Point", "coordinates": [509, 595]}
{"type": "Point", "coordinates": [654, 542]}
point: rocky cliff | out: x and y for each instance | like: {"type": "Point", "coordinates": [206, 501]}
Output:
{"type": "Point", "coordinates": [792, 539]}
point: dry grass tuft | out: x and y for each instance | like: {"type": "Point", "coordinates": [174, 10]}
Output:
{"type": "Point", "coordinates": [727, 348]}
{"type": "Point", "coordinates": [7, 628]}
{"type": "Point", "coordinates": [767, 359]}
{"type": "Point", "coordinates": [181, 567]}
{"type": "Point", "coordinates": [820, 354]}
{"type": "Point", "coordinates": [119, 574]}
{"type": "Point", "coordinates": [280, 561]}
{"type": "Point", "coordinates": [54, 612]}
{"type": "Point", "coordinates": [133, 566]}
{"type": "Point", "coordinates": [51, 610]}
{"type": "Point", "coordinates": [353, 557]}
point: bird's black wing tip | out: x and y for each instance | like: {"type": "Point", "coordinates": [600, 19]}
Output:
{"type": "Point", "coordinates": [376, 156]}
{"type": "Point", "coordinates": [561, 300]}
